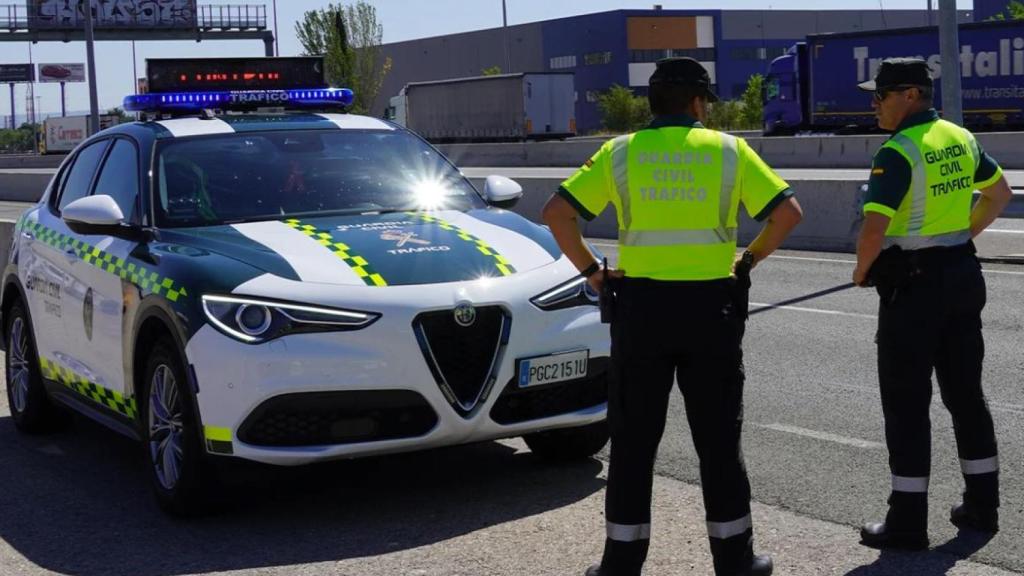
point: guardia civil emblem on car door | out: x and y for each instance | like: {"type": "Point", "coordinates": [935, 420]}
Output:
{"type": "Point", "coordinates": [465, 314]}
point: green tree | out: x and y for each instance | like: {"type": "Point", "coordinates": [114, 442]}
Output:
{"type": "Point", "coordinates": [491, 71]}
{"type": "Point", "coordinates": [21, 139]}
{"type": "Point", "coordinates": [725, 115]}
{"type": "Point", "coordinates": [753, 104]}
{"type": "Point", "coordinates": [349, 38]}
{"type": "Point", "coordinates": [1014, 11]}
{"type": "Point", "coordinates": [622, 111]}
{"type": "Point", "coordinates": [122, 116]}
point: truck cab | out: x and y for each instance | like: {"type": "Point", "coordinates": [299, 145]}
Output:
{"type": "Point", "coordinates": [785, 96]}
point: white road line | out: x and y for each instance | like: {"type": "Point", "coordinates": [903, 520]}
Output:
{"type": "Point", "coordinates": [1005, 231]}
{"type": "Point", "coordinates": [763, 306]}
{"type": "Point", "coordinates": [845, 440]}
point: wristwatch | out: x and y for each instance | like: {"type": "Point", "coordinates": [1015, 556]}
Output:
{"type": "Point", "coordinates": [589, 271]}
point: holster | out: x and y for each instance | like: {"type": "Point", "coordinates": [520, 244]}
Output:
{"type": "Point", "coordinates": [606, 299]}
{"type": "Point", "coordinates": [891, 272]}
{"type": "Point", "coordinates": [741, 287]}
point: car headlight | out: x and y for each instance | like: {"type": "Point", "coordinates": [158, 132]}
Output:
{"type": "Point", "coordinates": [254, 321]}
{"type": "Point", "coordinates": [575, 292]}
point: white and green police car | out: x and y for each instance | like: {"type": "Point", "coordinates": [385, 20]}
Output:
{"type": "Point", "coordinates": [289, 288]}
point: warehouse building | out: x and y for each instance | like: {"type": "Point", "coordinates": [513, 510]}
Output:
{"type": "Point", "coordinates": [621, 47]}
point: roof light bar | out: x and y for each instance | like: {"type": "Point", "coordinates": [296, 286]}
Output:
{"type": "Point", "coordinates": [238, 100]}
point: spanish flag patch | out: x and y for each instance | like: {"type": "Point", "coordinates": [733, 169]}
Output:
{"type": "Point", "coordinates": [588, 163]}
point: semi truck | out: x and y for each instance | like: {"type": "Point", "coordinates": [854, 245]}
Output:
{"type": "Point", "coordinates": [501, 107]}
{"type": "Point", "coordinates": [813, 86]}
{"type": "Point", "coordinates": [62, 133]}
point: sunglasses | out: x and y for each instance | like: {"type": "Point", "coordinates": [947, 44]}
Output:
{"type": "Point", "coordinates": [883, 93]}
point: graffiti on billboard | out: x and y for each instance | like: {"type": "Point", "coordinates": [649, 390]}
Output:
{"type": "Point", "coordinates": [50, 14]}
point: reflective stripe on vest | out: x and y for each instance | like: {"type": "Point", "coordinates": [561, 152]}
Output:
{"type": "Point", "coordinates": [718, 235]}
{"type": "Point", "coordinates": [918, 184]}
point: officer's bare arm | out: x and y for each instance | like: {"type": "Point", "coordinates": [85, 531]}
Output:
{"type": "Point", "coordinates": [561, 217]}
{"type": "Point", "coordinates": [780, 223]}
{"type": "Point", "coordinates": [991, 204]}
{"type": "Point", "coordinates": [869, 244]}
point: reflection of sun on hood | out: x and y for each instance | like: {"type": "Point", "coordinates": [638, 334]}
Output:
{"type": "Point", "coordinates": [387, 249]}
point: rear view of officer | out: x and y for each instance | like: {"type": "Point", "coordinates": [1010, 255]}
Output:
{"type": "Point", "coordinates": [932, 291]}
{"type": "Point", "coordinates": [678, 312]}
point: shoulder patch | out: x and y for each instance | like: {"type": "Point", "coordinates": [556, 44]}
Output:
{"type": "Point", "coordinates": [588, 163]}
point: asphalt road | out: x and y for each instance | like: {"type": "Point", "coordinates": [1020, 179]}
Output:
{"type": "Point", "coordinates": [75, 502]}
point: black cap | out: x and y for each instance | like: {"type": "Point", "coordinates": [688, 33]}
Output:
{"type": "Point", "coordinates": [899, 72]}
{"type": "Point", "coordinates": [682, 72]}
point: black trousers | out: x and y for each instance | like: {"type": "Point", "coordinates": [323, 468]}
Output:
{"type": "Point", "coordinates": [690, 332]}
{"type": "Point", "coordinates": [934, 323]}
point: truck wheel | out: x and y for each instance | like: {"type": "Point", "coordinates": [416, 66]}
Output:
{"type": "Point", "coordinates": [565, 444]}
{"type": "Point", "coordinates": [175, 461]}
{"type": "Point", "coordinates": [30, 407]}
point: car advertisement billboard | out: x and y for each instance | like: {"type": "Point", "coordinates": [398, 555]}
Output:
{"type": "Point", "coordinates": [69, 14]}
{"type": "Point", "coordinates": [61, 73]}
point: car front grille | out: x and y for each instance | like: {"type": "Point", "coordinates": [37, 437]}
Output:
{"type": "Point", "coordinates": [523, 404]}
{"type": "Point", "coordinates": [325, 418]}
{"type": "Point", "coordinates": [463, 359]}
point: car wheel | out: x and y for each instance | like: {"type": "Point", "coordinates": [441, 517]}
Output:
{"type": "Point", "coordinates": [175, 460]}
{"type": "Point", "coordinates": [30, 407]}
{"type": "Point", "coordinates": [564, 444]}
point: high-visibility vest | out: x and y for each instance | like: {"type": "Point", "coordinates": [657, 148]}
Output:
{"type": "Point", "coordinates": [936, 210]}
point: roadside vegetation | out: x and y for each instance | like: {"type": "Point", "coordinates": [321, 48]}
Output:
{"type": "Point", "coordinates": [622, 111]}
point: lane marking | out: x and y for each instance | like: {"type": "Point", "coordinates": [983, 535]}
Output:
{"type": "Point", "coordinates": [826, 436]}
{"type": "Point", "coordinates": [1004, 231]}
{"type": "Point", "coordinates": [762, 306]}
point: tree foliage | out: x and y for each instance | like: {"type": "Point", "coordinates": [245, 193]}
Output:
{"type": "Point", "coordinates": [1014, 11]}
{"type": "Point", "coordinates": [20, 140]}
{"type": "Point", "coordinates": [491, 71]}
{"type": "Point", "coordinates": [622, 111]}
{"type": "Point", "coordinates": [753, 103]}
{"type": "Point", "coordinates": [349, 39]}
{"type": "Point", "coordinates": [747, 113]}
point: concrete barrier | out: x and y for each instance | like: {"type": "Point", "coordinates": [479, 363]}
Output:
{"type": "Point", "coordinates": [6, 237]}
{"type": "Point", "coordinates": [832, 214]}
{"type": "Point", "coordinates": [23, 186]}
{"type": "Point", "coordinates": [779, 152]}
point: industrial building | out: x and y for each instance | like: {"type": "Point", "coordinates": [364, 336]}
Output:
{"type": "Point", "coordinates": [621, 47]}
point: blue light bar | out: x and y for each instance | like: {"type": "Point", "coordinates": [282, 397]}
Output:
{"type": "Point", "coordinates": [238, 100]}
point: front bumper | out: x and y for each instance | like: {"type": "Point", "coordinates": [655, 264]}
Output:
{"type": "Point", "coordinates": [312, 397]}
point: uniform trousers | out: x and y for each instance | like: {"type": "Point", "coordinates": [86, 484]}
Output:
{"type": "Point", "coordinates": [690, 332]}
{"type": "Point", "coordinates": [933, 322]}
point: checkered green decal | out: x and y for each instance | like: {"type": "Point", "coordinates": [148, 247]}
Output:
{"type": "Point", "coordinates": [82, 385]}
{"type": "Point", "coordinates": [356, 262]}
{"type": "Point", "coordinates": [148, 280]}
{"type": "Point", "coordinates": [500, 262]}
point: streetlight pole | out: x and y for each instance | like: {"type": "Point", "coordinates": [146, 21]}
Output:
{"type": "Point", "coordinates": [949, 46]}
{"type": "Point", "coordinates": [135, 71]}
{"type": "Point", "coordinates": [508, 49]}
{"type": "Point", "coordinates": [90, 57]}
{"type": "Point", "coordinates": [276, 51]}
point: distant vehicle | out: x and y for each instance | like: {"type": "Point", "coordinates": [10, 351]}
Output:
{"type": "Point", "coordinates": [62, 134]}
{"type": "Point", "coordinates": [56, 71]}
{"type": "Point", "coordinates": [813, 87]}
{"type": "Point", "coordinates": [291, 287]}
{"type": "Point", "coordinates": [503, 107]}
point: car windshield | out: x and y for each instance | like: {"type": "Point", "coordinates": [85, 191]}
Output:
{"type": "Point", "coordinates": [264, 175]}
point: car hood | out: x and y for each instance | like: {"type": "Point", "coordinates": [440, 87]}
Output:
{"type": "Point", "coordinates": [392, 249]}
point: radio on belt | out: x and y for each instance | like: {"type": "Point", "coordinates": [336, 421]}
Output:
{"type": "Point", "coordinates": [191, 86]}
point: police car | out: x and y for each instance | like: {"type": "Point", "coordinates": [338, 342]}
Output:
{"type": "Point", "coordinates": [290, 287]}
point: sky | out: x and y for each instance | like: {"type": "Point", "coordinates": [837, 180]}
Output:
{"type": "Point", "coordinates": [401, 20]}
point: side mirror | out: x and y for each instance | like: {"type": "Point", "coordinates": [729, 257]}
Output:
{"type": "Point", "coordinates": [97, 214]}
{"type": "Point", "coordinates": [502, 192]}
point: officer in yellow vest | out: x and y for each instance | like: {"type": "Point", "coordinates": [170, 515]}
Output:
{"type": "Point", "coordinates": [679, 314]}
{"type": "Point", "coordinates": [918, 209]}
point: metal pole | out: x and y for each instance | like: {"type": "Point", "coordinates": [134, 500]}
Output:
{"type": "Point", "coordinates": [508, 50]}
{"type": "Point", "coordinates": [31, 87]}
{"type": "Point", "coordinates": [135, 70]}
{"type": "Point", "coordinates": [930, 12]}
{"type": "Point", "coordinates": [276, 52]}
{"type": "Point", "coordinates": [90, 57]}
{"type": "Point", "coordinates": [63, 108]}
{"type": "Point", "coordinates": [14, 124]}
{"type": "Point", "coordinates": [949, 46]}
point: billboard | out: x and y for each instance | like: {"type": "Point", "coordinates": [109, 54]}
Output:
{"type": "Point", "coordinates": [61, 73]}
{"type": "Point", "coordinates": [69, 14]}
{"type": "Point", "coordinates": [16, 73]}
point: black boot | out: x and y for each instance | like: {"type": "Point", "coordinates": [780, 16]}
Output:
{"type": "Point", "coordinates": [968, 517]}
{"type": "Point", "coordinates": [760, 565]}
{"type": "Point", "coordinates": [879, 535]}
{"type": "Point", "coordinates": [594, 570]}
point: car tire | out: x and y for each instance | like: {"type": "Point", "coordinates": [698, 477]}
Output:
{"type": "Point", "coordinates": [176, 464]}
{"type": "Point", "coordinates": [565, 444]}
{"type": "Point", "coordinates": [31, 408]}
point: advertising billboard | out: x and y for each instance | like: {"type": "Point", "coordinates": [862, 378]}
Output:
{"type": "Point", "coordinates": [122, 14]}
{"type": "Point", "coordinates": [61, 73]}
{"type": "Point", "coordinates": [16, 73]}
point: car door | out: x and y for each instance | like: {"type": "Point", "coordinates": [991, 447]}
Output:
{"type": "Point", "coordinates": [96, 289]}
{"type": "Point", "coordinates": [48, 259]}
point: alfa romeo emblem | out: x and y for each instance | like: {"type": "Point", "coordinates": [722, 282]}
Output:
{"type": "Point", "coordinates": [465, 314]}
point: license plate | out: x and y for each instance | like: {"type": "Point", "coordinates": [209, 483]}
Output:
{"type": "Point", "coordinates": [553, 368]}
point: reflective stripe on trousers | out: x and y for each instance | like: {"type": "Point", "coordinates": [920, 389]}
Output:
{"type": "Point", "coordinates": [983, 466]}
{"type": "Point", "coordinates": [628, 532]}
{"type": "Point", "coordinates": [723, 530]}
{"type": "Point", "coordinates": [910, 484]}
{"type": "Point", "coordinates": [709, 236]}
